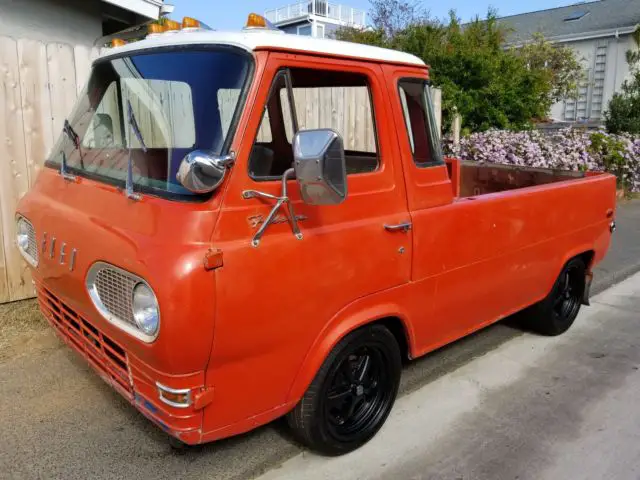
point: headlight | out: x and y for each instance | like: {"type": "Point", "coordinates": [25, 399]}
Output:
{"type": "Point", "coordinates": [23, 235]}
{"type": "Point", "coordinates": [25, 240]}
{"type": "Point", "coordinates": [145, 309]}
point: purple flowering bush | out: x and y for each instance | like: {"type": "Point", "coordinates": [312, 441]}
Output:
{"type": "Point", "coordinates": [568, 149]}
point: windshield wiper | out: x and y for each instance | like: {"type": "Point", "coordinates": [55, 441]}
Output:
{"type": "Point", "coordinates": [63, 168]}
{"type": "Point", "coordinates": [136, 130]}
{"type": "Point", "coordinates": [75, 139]}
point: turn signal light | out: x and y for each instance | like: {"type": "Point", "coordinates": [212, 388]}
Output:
{"type": "Point", "coordinates": [118, 42]}
{"type": "Point", "coordinates": [256, 21]}
{"type": "Point", "coordinates": [176, 398]}
{"type": "Point", "coordinates": [171, 25]}
{"type": "Point", "coordinates": [188, 22]}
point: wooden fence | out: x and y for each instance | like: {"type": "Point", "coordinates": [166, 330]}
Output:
{"type": "Point", "coordinates": [39, 84]}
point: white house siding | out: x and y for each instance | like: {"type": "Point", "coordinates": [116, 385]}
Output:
{"type": "Point", "coordinates": [607, 81]}
{"type": "Point", "coordinates": [76, 22]}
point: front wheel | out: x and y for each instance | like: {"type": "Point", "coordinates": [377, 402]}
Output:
{"type": "Point", "coordinates": [352, 394]}
{"type": "Point", "coordinates": [555, 314]}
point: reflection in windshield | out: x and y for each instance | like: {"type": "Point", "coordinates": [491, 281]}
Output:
{"type": "Point", "coordinates": [180, 101]}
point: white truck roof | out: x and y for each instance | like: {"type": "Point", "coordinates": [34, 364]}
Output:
{"type": "Point", "coordinates": [257, 39]}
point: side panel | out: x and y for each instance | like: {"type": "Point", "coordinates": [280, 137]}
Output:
{"type": "Point", "coordinates": [481, 258]}
{"type": "Point", "coordinates": [496, 254]}
{"type": "Point", "coordinates": [274, 300]}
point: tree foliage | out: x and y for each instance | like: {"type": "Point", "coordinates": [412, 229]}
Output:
{"type": "Point", "coordinates": [392, 16]}
{"type": "Point", "coordinates": [490, 85]}
{"type": "Point", "coordinates": [623, 114]}
{"type": "Point", "coordinates": [558, 65]}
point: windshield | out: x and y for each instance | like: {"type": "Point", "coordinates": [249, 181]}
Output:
{"type": "Point", "coordinates": [180, 101]}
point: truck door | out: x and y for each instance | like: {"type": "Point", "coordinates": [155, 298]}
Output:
{"type": "Point", "coordinates": [439, 249]}
{"type": "Point", "coordinates": [459, 267]}
{"type": "Point", "coordinates": [275, 295]}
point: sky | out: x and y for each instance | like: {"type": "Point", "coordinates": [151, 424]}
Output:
{"type": "Point", "coordinates": [232, 14]}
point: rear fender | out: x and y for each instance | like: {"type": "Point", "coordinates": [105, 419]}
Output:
{"type": "Point", "coordinates": [571, 254]}
{"type": "Point", "coordinates": [349, 319]}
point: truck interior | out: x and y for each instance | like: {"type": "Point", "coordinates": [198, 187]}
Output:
{"type": "Point", "coordinates": [272, 154]}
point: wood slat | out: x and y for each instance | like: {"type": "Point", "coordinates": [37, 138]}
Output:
{"type": "Point", "coordinates": [62, 81]}
{"type": "Point", "coordinates": [36, 104]}
{"type": "Point", "coordinates": [83, 58]}
{"type": "Point", "coordinates": [14, 175]}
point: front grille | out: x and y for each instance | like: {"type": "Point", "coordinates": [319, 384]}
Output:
{"type": "Point", "coordinates": [107, 357]}
{"type": "Point", "coordinates": [32, 249]}
{"type": "Point", "coordinates": [115, 290]}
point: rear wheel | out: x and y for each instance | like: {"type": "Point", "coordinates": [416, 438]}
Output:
{"type": "Point", "coordinates": [556, 313]}
{"type": "Point", "coordinates": [352, 394]}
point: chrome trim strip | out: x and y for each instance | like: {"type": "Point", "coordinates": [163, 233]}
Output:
{"type": "Point", "coordinates": [26, 255]}
{"type": "Point", "coordinates": [178, 391]}
{"type": "Point", "coordinates": [102, 309]}
{"type": "Point", "coordinates": [63, 253]}
{"type": "Point", "coordinates": [72, 262]}
{"type": "Point", "coordinates": [52, 247]}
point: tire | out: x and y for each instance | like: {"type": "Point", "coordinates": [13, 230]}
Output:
{"type": "Point", "coordinates": [178, 446]}
{"type": "Point", "coordinates": [352, 394]}
{"type": "Point", "coordinates": [555, 314]}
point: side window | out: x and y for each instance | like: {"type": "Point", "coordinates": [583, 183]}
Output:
{"type": "Point", "coordinates": [420, 122]}
{"type": "Point", "coordinates": [337, 100]}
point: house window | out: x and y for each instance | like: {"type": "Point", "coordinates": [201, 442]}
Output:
{"type": "Point", "coordinates": [304, 30]}
{"type": "Point", "coordinates": [575, 16]}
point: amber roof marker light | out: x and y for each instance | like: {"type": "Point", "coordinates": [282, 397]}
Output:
{"type": "Point", "coordinates": [189, 22]}
{"type": "Point", "coordinates": [258, 22]}
{"type": "Point", "coordinates": [154, 29]}
{"type": "Point", "coordinates": [172, 25]}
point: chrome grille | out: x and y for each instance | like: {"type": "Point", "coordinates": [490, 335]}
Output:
{"type": "Point", "coordinates": [32, 250]}
{"type": "Point", "coordinates": [116, 292]}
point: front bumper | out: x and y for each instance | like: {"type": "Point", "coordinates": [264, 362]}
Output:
{"type": "Point", "coordinates": [130, 377]}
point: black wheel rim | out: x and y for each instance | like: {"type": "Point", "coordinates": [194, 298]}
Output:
{"type": "Point", "coordinates": [569, 297]}
{"type": "Point", "coordinates": [359, 393]}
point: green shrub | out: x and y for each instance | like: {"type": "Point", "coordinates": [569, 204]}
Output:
{"type": "Point", "coordinates": [492, 87]}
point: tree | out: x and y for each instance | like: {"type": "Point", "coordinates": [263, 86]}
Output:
{"type": "Point", "coordinates": [490, 85]}
{"type": "Point", "coordinates": [392, 16]}
{"type": "Point", "coordinates": [623, 114]}
{"type": "Point", "coordinates": [556, 65]}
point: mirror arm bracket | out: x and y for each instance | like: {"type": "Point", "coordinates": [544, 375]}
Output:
{"type": "Point", "coordinates": [280, 201]}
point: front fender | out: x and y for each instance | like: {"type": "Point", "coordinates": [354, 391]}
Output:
{"type": "Point", "coordinates": [363, 311]}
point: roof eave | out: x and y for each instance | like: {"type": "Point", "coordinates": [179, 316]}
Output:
{"type": "Point", "coordinates": [576, 37]}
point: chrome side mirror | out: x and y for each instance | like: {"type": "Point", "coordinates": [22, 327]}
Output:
{"type": "Point", "coordinates": [202, 172]}
{"type": "Point", "coordinates": [320, 166]}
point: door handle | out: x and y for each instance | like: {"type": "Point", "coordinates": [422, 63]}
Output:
{"type": "Point", "coordinates": [401, 227]}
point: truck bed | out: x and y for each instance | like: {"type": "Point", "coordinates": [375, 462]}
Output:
{"type": "Point", "coordinates": [470, 179]}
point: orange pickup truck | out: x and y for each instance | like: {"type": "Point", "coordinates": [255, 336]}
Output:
{"type": "Point", "coordinates": [234, 227]}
